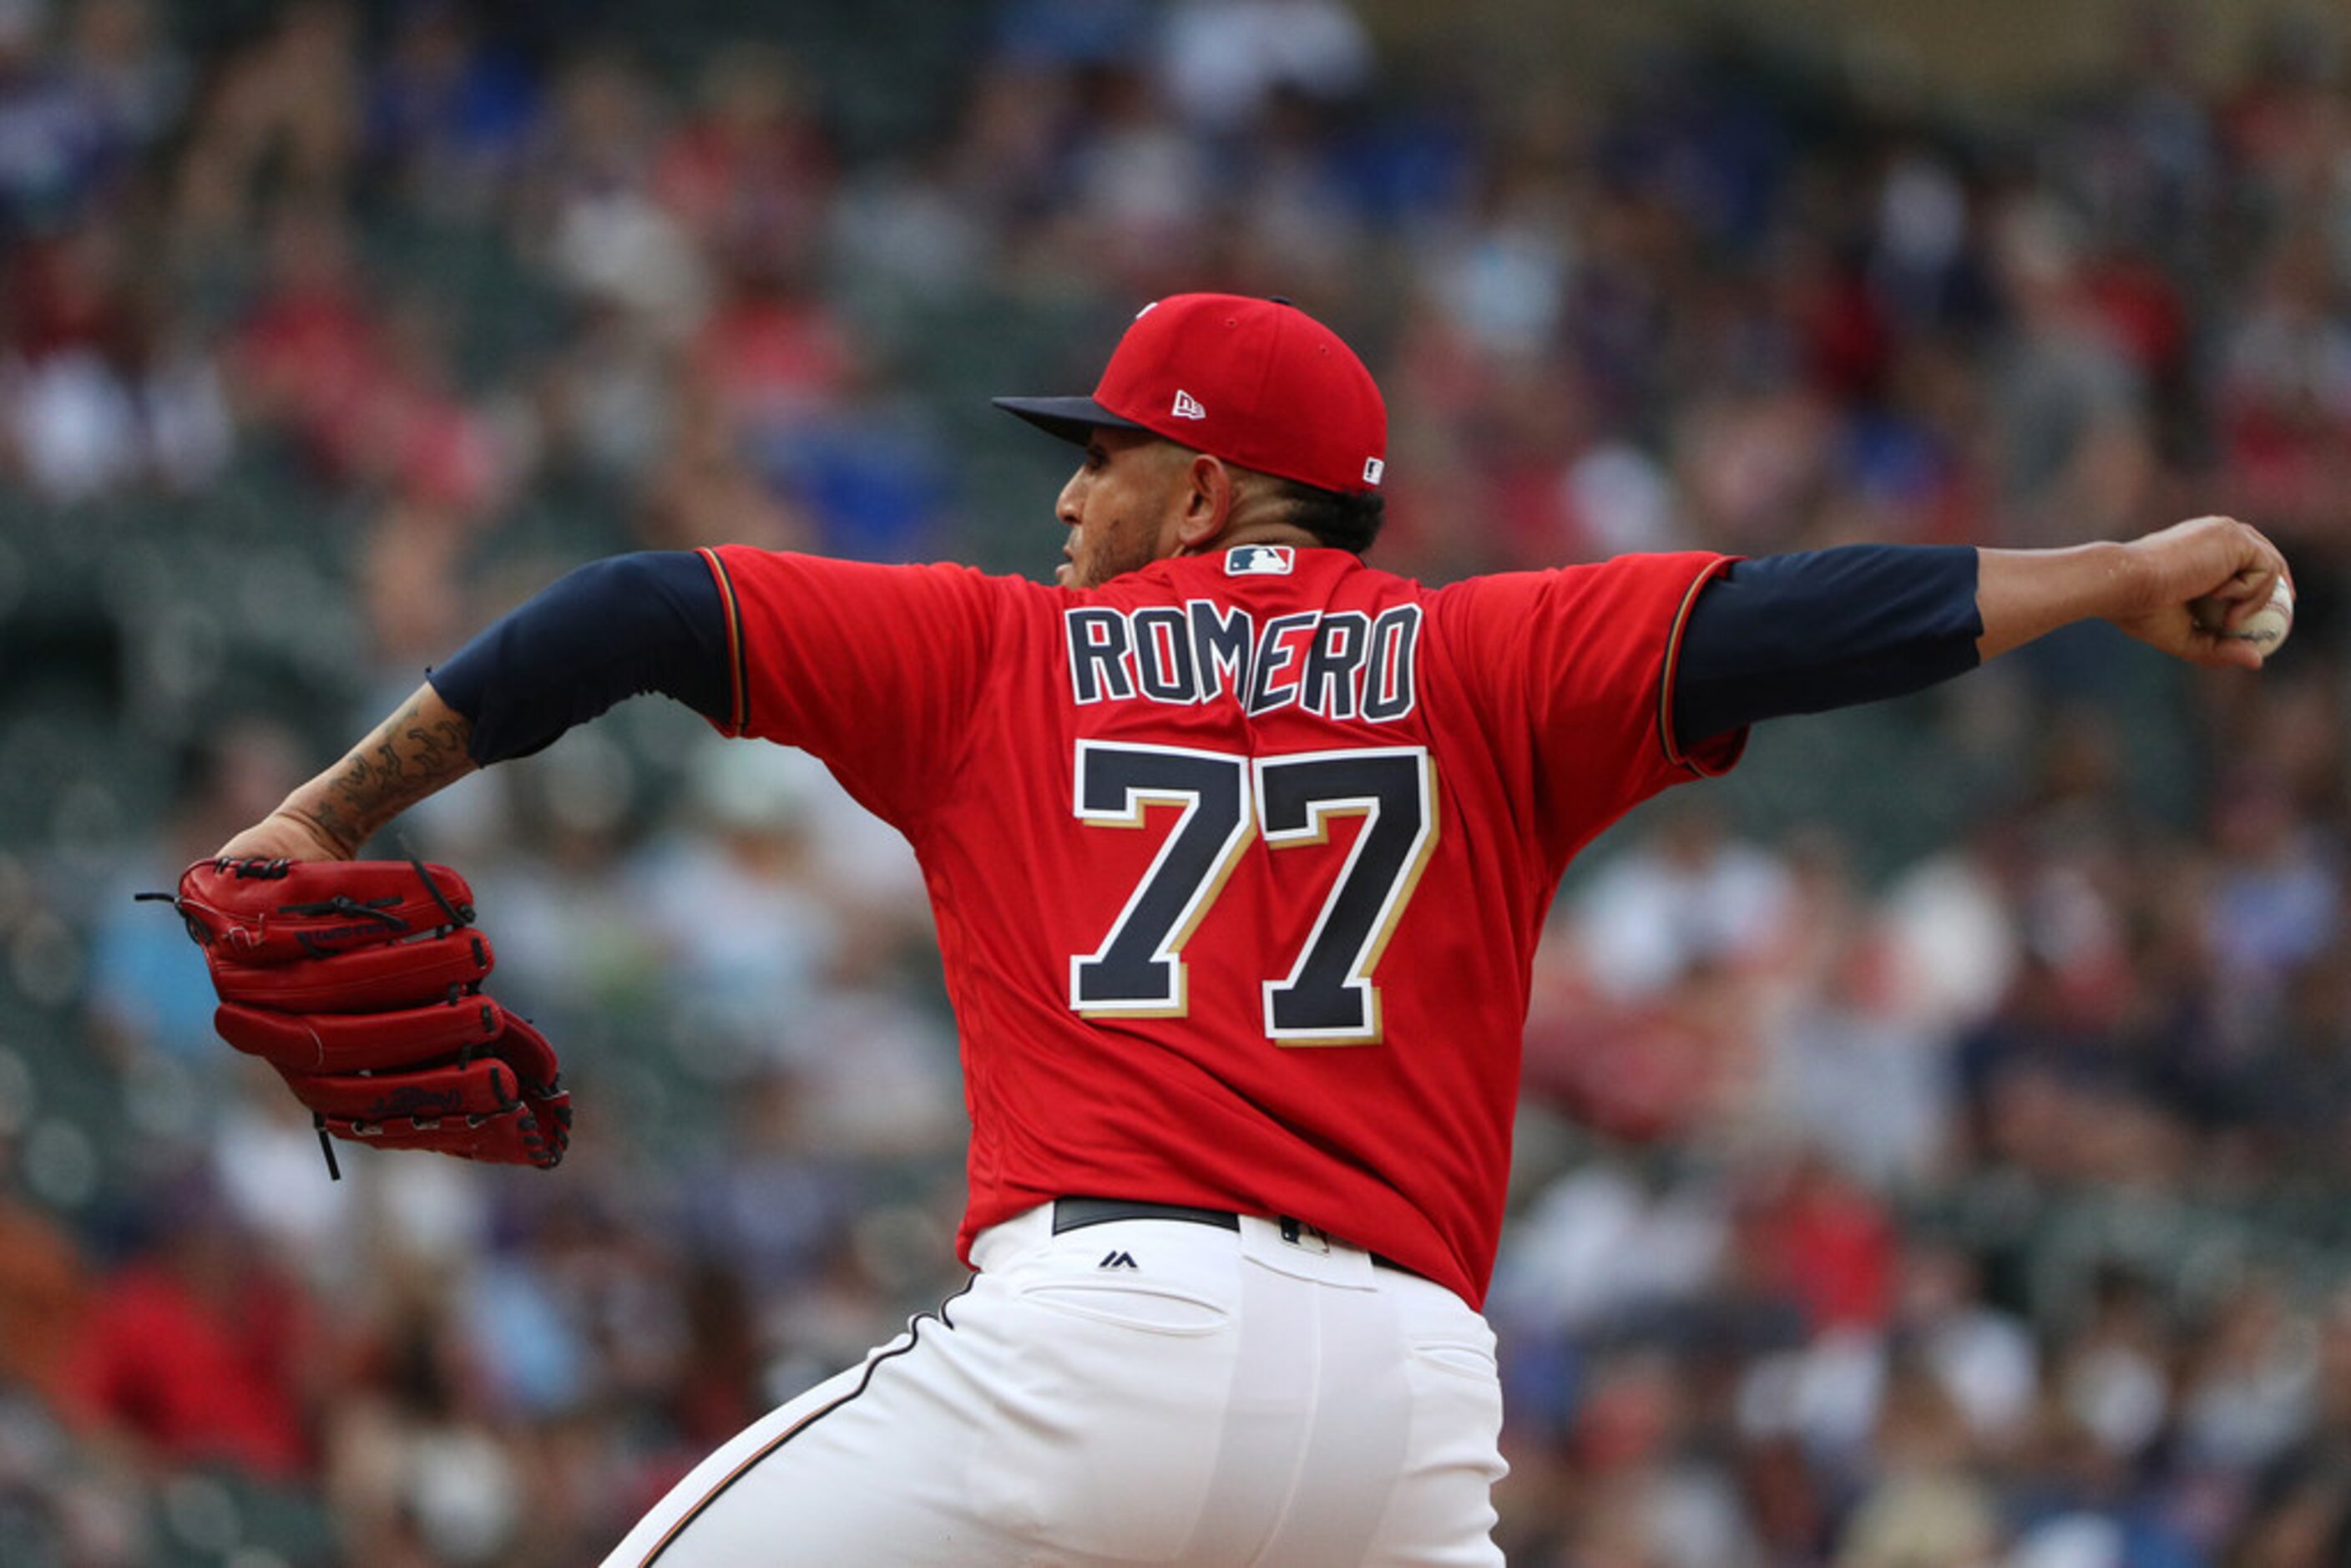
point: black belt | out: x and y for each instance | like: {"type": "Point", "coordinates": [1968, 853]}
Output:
{"type": "Point", "coordinates": [1077, 1212]}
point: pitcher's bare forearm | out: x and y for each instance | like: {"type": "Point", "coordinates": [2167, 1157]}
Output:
{"type": "Point", "coordinates": [2148, 586]}
{"type": "Point", "coordinates": [419, 750]}
{"type": "Point", "coordinates": [2024, 595]}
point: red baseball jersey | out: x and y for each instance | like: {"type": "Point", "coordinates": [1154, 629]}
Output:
{"type": "Point", "coordinates": [1238, 861]}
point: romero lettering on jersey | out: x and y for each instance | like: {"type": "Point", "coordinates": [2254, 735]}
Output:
{"type": "Point", "coordinates": [1341, 663]}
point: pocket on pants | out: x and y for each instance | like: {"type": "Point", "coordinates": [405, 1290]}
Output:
{"type": "Point", "coordinates": [1111, 1409]}
{"type": "Point", "coordinates": [1461, 1359]}
{"type": "Point", "coordinates": [1147, 1309]}
{"type": "Point", "coordinates": [1457, 1396]}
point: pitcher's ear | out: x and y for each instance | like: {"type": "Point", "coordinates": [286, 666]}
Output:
{"type": "Point", "coordinates": [1207, 502]}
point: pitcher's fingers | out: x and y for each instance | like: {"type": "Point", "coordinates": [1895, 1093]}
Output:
{"type": "Point", "coordinates": [2256, 596]}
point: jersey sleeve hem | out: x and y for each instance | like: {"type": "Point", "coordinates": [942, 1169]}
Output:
{"type": "Point", "coordinates": [738, 707]}
{"type": "Point", "coordinates": [1719, 754]}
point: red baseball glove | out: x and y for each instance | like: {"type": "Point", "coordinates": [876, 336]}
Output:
{"type": "Point", "coordinates": [361, 982]}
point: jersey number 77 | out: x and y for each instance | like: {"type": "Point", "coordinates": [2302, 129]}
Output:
{"type": "Point", "coordinates": [1328, 997]}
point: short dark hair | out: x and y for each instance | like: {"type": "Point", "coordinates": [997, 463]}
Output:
{"type": "Point", "coordinates": [1336, 519]}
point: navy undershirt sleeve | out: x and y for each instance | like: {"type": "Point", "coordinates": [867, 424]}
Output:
{"type": "Point", "coordinates": [617, 628]}
{"type": "Point", "coordinates": [1825, 629]}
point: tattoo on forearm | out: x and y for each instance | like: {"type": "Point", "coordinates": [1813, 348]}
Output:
{"type": "Point", "coordinates": [410, 756]}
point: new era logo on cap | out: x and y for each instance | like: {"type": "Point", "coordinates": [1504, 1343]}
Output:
{"type": "Point", "coordinates": [1187, 406]}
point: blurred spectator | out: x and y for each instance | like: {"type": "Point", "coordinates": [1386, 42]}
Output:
{"type": "Point", "coordinates": [281, 115]}
{"type": "Point", "coordinates": [1925, 1508]}
{"type": "Point", "coordinates": [1984, 1359]}
{"type": "Point", "coordinates": [43, 1294]}
{"type": "Point", "coordinates": [448, 113]}
{"type": "Point", "coordinates": [414, 1464]}
{"type": "Point", "coordinates": [750, 177]}
{"type": "Point", "coordinates": [741, 911]}
{"type": "Point", "coordinates": [197, 1350]}
{"type": "Point", "coordinates": [1691, 899]}
{"type": "Point", "coordinates": [123, 56]}
{"type": "Point", "coordinates": [60, 145]}
{"type": "Point", "coordinates": [606, 238]}
{"type": "Point", "coordinates": [1226, 59]}
{"type": "Point", "coordinates": [2300, 1512]}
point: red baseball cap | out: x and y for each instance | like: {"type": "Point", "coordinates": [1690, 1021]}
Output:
{"type": "Point", "coordinates": [1255, 381]}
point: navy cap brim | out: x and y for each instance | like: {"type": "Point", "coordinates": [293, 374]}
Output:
{"type": "Point", "coordinates": [1070, 418]}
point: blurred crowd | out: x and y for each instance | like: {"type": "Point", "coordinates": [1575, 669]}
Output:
{"type": "Point", "coordinates": [1934, 1151]}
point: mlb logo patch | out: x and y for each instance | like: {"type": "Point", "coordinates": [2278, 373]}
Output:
{"type": "Point", "coordinates": [1260, 560]}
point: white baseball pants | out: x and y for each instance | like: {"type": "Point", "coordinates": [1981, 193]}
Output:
{"type": "Point", "coordinates": [1140, 1391]}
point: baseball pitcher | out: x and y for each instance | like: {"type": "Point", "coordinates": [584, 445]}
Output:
{"type": "Point", "coordinates": [1239, 850]}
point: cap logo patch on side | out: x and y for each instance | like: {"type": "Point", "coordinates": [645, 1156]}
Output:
{"type": "Point", "coordinates": [1187, 406]}
{"type": "Point", "coordinates": [1372, 469]}
{"type": "Point", "coordinates": [1258, 560]}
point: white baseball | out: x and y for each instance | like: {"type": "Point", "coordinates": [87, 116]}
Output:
{"type": "Point", "coordinates": [2266, 628]}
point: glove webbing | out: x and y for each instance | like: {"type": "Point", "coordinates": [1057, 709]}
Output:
{"type": "Point", "coordinates": [345, 904]}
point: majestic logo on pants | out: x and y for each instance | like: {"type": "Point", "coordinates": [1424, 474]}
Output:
{"type": "Point", "coordinates": [1119, 1260]}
